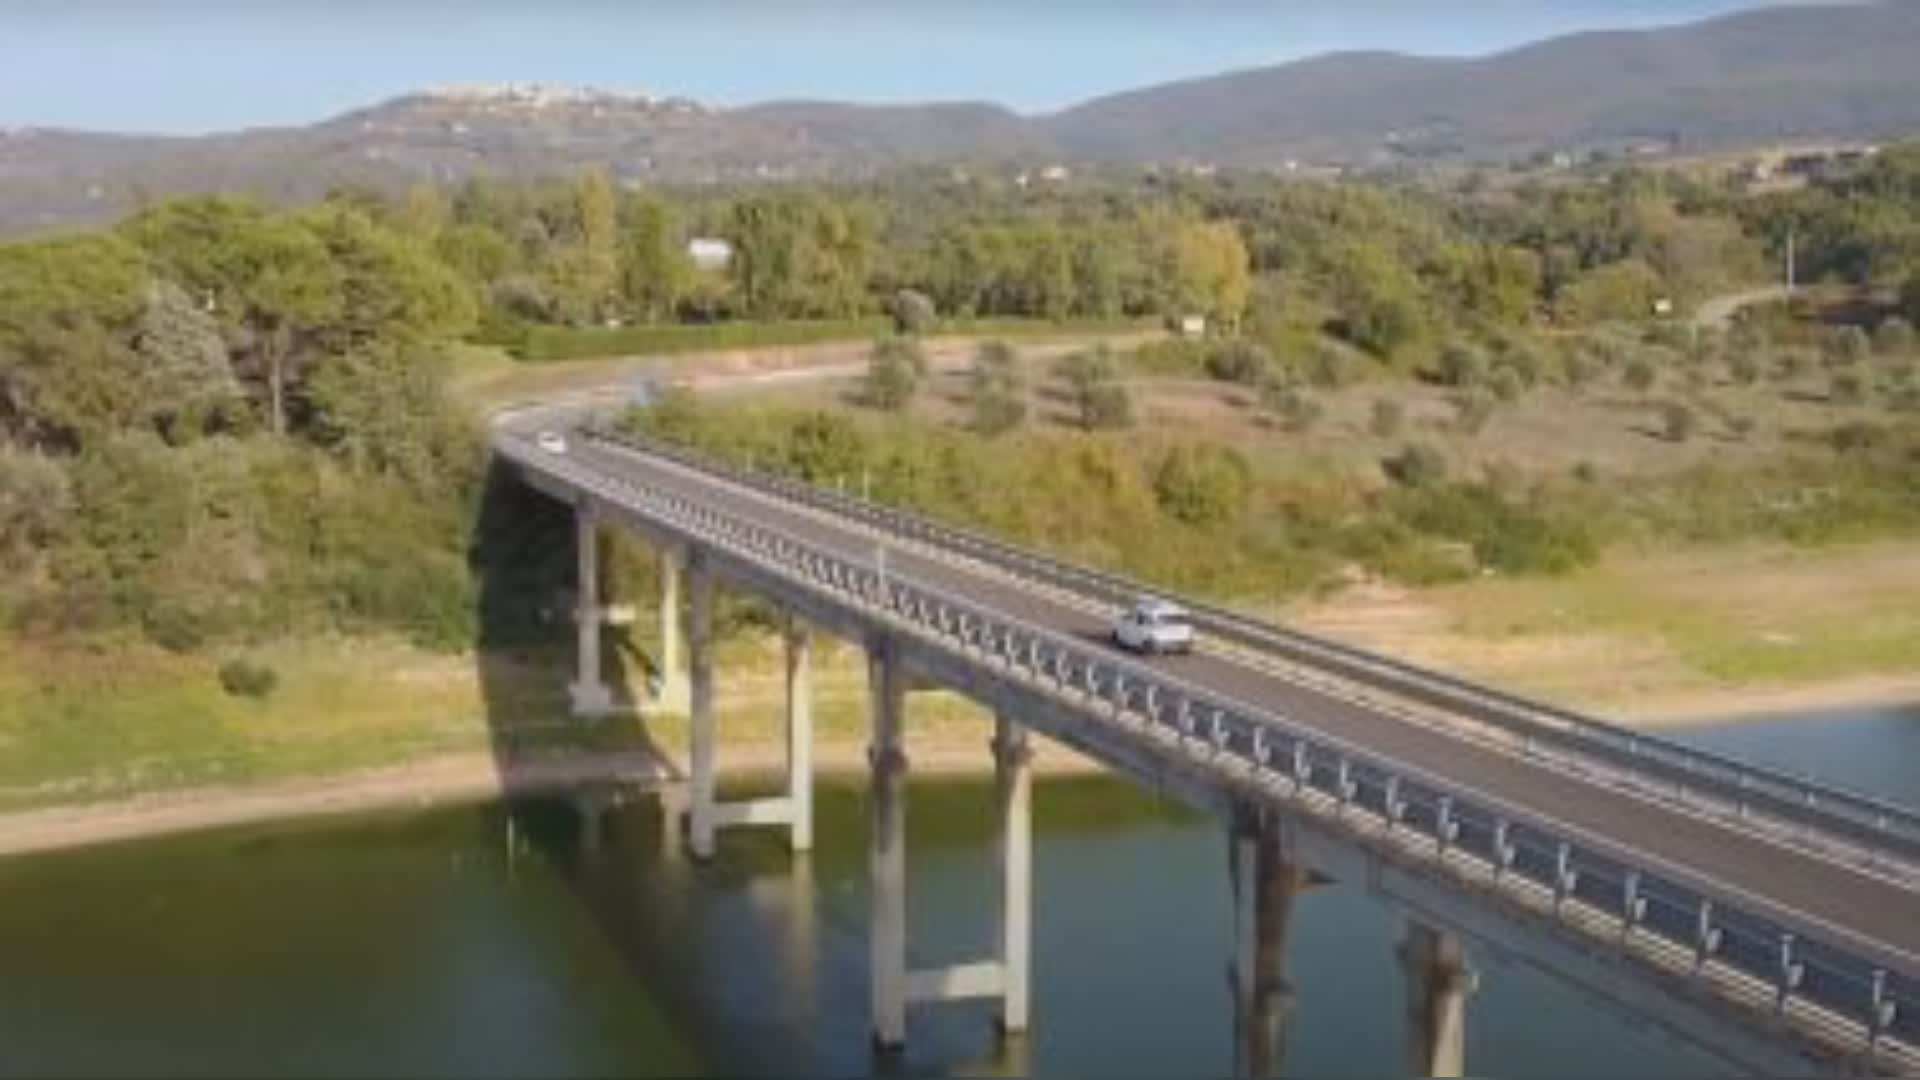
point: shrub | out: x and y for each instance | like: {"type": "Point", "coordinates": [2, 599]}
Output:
{"type": "Point", "coordinates": [1109, 405]}
{"type": "Point", "coordinates": [1416, 465]}
{"type": "Point", "coordinates": [1202, 483]}
{"type": "Point", "coordinates": [1893, 337]}
{"type": "Point", "coordinates": [1742, 427]}
{"type": "Point", "coordinates": [1472, 411]}
{"type": "Point", "coordinates": [1846, 388]}
{"type": "Point", "coordinates": [1462, 365]}
{"type": "Point", "coordinates": [893, 375]}
{"type": "Point", "coordinates": [245, 678]}
{"type": "Point", "coordinates": [1743, 368]}
{"type": "Point", "coordinates": [1679, 420]}
{"type": "Point", "coordinates": [1639, 375]}
{"type": "Point", "coordinates": [1295, 410]}
{"type": "Point", "coordinates": [1330, 369]}
{"type": "Point", "coordinates": [1239, 361]}
{"type": "Point", "coordinates": [1847, 345]}
{"type": "Point", "coordinates": [1506, 384]}
{"type": "Point", "coordinates": [1388, 417]}
{"type": "Point", "coordinates": [997, 410]}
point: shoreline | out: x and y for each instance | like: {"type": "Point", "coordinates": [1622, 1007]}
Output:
{"type": "Point", "coordinates": [452, 780]}
{"type": "Point", "coordinates": [476, 776]}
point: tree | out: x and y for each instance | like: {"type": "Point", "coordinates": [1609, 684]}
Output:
{"type": "Point", "coordinates": [266, 276]}
{"type": "Point", "coordinates": [893, 374]}
{"type": "Point", "coordinates": [913, 312]}
{"type": "Point", "coordinates": [999, 400]}
{"type": "Point", "coordinates": [1204, 268]}
{"type": "Point", "coordinates": [186, 374]}
{"type": "Point", "coordinates": [1093, 384]}
{"type": "Point", "coordinates": [69, 306]}
{"type": "Point", "coordinates": [1202, 483]}
{"type": "Point", "coordinates": [655, 274]}
{"type": "Point", "coordinates": [35, 503]}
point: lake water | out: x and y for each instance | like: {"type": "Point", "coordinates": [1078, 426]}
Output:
{"type": "Point", "coordinates": [441, 942]}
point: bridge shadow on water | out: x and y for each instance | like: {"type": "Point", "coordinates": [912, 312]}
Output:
{"type": "Point", "coordinates": [751, 964]}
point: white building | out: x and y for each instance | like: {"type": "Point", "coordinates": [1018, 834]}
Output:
{"type": "Point", "coordinates": [709, 252]}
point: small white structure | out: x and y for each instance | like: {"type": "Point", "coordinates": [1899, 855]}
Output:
{"type": "Point", "coordinates": [709, 252]}
{"type": "Point", "coordinates": [1663, 306]}
{"type": "Point", "coordinates": [1192, 325]}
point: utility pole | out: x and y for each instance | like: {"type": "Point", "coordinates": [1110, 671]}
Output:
{"type": "Point", "coordinates": [1790, 267]}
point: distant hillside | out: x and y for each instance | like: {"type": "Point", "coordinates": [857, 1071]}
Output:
{"type": "Point", "coordinates": [1784, 73]}
{"type": "Point", "coordinates": [1778, 73]}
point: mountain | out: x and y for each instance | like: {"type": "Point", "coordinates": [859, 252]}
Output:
{"type": "Point", "coordinates": [1831, 71]}
{"type": "Point", "coordinates": [1763, 75]}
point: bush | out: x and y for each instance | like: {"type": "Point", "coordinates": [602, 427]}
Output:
{"type": "Point", "coordinates": [1107, 406]}
{"type": "Point", "coordinates": [1239, 361]}
{"type": "Point", "coordinates": [1330, 369]}
{"type": "Point", "coordinates": [1295, 410]}
{"type": "Point", "coordinates": [1388, 417]}
{"type": "Point", "coordinates": [1462, 365]}
{"type": "Point", "coordinates": [1893, 337]}
{"type": "Point", "coordinates": [1202, 483]}
{"type": "Point", "coordinates": [1506, 384]}
{"type": "Point", "coordinates": [1416, 465]}
{"type": "Point", "coordinates": [893, 375]}
{"type": "Point", "coordinates": [1472, 411]}
{"type": "Point", "coordinates": [1847, 345]}
{"type": "Point", "coordinates": [1679, 421]}
{"type": "Point", "coordinates": [1743, 368]}
{"type": "Point", "coordinates": [1639, 375]}
{"type": "Point", "coordinates": [244, 678]}
{"type": "Point", "coordinates": [1741, 427]}
{"type": "Point", "coordinates": [1846, 388]}
{"type": "Point", "coordinates": [997, 410]}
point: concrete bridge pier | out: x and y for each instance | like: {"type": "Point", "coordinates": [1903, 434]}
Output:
{"type": "Point", "coordinates": [706, 814]}
{"type": "Point", "coordinates": [1265, 883]}
{"type": "Point", "coordinates": [1013, 800]}
{"type": "Point", "coordinates": [1438, 981]}
{"type": "Point", "coordinates": [670, 691]}
{"type": "Point", "coordinates": [1004, 974]}
{"type": "Point", "coordinates": [588, 694]}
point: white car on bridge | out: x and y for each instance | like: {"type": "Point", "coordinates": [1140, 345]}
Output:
{"type": "Point", "coordinates": [1154, 626]}
{"type": "Point", "coordinates": [552, 442]}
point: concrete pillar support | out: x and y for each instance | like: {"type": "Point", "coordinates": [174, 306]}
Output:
{"type": "Point", "coordinates": [887, 863]}
{"type": "Point", "coordinates": [701, 735]}
{"type": "Point", "coordinates": [1438, 981]}
{"type": "Point", "coordinates": [671, 691]}
{"type": "Point", "coordinates": [1013, 797]}
{"type": "Point", "coordinates": [799, 639]}
{"type": "Point", "coordinates": [1265, 883]}
{"type": "Point", "coordinates": [588, 694]}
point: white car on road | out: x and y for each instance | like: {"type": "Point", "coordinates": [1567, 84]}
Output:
{"type": "Point", "coordinates": [552, 442]}
{"type": "Point", "coordinates": [1154, 626]}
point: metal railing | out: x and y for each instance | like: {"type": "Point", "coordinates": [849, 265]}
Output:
{"type": "Point", "coordinates": [1874, 831]}
{"type": "Point", "coordinates": [1828, 982]}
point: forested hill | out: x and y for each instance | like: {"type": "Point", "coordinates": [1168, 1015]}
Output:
{"type": "Point", "coordinates": [1784, 73]}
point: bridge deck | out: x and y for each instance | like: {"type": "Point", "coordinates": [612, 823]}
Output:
{"type": "Point", "coordinates": [1815, 888]}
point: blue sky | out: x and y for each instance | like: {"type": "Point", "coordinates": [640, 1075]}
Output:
{"type": "Point", "coordinates": [199, 65]}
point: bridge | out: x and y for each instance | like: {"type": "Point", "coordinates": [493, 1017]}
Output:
{"type": "Point", "coordinates": [1769, 918]}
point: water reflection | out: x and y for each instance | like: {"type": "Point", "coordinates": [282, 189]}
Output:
{"type": "Point", "coordinates": [472, 942]}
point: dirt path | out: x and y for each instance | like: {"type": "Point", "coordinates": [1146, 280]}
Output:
{"type": "Point", "coordinates": [1716, 313]}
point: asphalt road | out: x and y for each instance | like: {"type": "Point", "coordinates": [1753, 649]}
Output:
{"type": "Point", "coordinates": [1784, 876]}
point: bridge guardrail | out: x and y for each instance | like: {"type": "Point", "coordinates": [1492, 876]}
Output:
{"type": "Point", "coordinates": [1877, 828]}
{"type": "Point", "coordinates": [1827, 980]}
